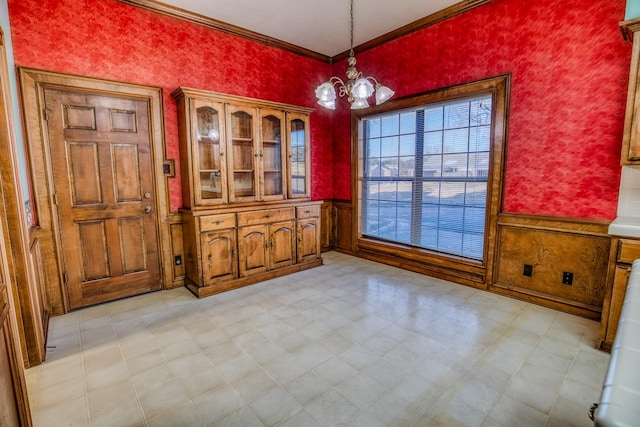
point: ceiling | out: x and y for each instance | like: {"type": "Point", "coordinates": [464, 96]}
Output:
{"type": "Point", "coordinates": [321, 26]}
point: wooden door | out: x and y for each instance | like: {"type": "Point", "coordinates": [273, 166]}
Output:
{"type": "Point", "coordinates": [253, 245]}
{"type": "Point", "coordinates": [282, 244]}
{"type": "Point", "coordinates": [102, 173]}
{"type": "Point", "coordinates": [219, 262]}
{"type": "Point", "coordinates": [308, 240]}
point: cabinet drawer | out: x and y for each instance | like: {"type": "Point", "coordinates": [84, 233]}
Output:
{"type": "Point", "coordinates": [307, 211]}
{"type": "Point", "coordinates": [265, 216]}
{"type": "Point", "coordinates": [628, 250]}
{"type": "Point", "coordinates": [217, 222]}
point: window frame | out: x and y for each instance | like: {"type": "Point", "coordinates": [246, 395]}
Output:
{"type": "Point", "coordinates": [451, 267]}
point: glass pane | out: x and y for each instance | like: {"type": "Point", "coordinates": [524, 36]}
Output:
{"type": "Point", "coordinates": [408, 123]}
{"type": "Point", "coordinates": [480, 113]}
{"type": "Point", "coordinates": [433, 118]}
{"type": "Point", "coordinates": [373, 147]}
{"type": "Point", "coordinates": [243, 150]}
{"type": "Point", "coordinates": [456, 115]}
{"type": "Point", "coordinates": [454, 165]}
{"type": "Point", "coordinates": [479, 138]}
{"type": "Point", "coordinates": [208, 152]}
{"type": "Point", "coordinates": [456, 141]}
{"type": "Point", "coordinates": [406, 166]}
{"type": "Point", "coordinates": [390, 125]}
{"type": "Point", "coordinates": [433, 142]}
{"type": "Point", "coordinates": [404, 191]}
{"type": "Point", "coordinates": [373, 128]}
{"type": "Point", "coordinates": [297, 159]}
{"type": "Point", "coordinates": [272, 155]}
{"type": "Point", "coordinates": [432, 166]}
{"type": "Point", "coordinates": [474, 219]}
{"type": "Point", "coordinates": [389, 166]}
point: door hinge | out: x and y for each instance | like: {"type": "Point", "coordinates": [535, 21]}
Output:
{"type": "Point", "coordinates": [46, 114]}
{"type": "Point", "coordinates": [55, 199]}
{"type": "Point", "coordinates": [64, 277]}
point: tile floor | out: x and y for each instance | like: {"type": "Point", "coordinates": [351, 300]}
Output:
{"type": "Point", "coordinates": [351, 343]}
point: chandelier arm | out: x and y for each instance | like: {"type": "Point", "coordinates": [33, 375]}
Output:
{"type": "Point", "coordinates": [374, 80]}
{"type": "Point", "coordinates": [336, 80]}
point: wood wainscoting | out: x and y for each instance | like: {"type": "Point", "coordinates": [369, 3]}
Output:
{"type": "Point", "coordinates": [176, 247]}
{"type": "Point", "coordinates": [336, 217]}
{"type": "Point", "coordinates": [549, 247]}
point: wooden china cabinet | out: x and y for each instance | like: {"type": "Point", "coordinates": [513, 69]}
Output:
{"type": "Point", "coordinates": [247, 215]}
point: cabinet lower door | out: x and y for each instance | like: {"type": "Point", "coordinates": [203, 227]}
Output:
{"type": "Point", "coordinates": [253, 245]}
{"type": "Point", "coordinates": [308, 239]}
{"type": "Point", "coordinates": [219, 261]}
{"type": "Point", "coordinates": [282, 244]}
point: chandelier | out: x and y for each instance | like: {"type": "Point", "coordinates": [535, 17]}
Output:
{"type": "Point", "coordinates": [357, 88]}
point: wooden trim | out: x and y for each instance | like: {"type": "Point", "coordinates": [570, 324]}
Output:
{"type": "Point", "coordinates": [20, 328]}
{"type": "Point", "coordinates": [629, 27]}
{"type": "Point", "coordinates": [224, 98]}
{"type": "Point", "coordinates": [21, 270]}
{"type": "Point", "coordinates": [206, 291]}
{"type": "Point", "coordinates": [582, 226]}
{"type": "Point", "coordinates": [195, 18]}
{"type": "Point", "coordinates": [33, 82]}
{"type": "Point", "coordinates": [176, 245]}
{"type": "Point", "coordinates": [414, 26]}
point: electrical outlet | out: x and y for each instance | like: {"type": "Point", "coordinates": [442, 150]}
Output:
{"type": "Point", "coordinates": [527, 270]}
{"type": "Point", "coordinates": [178, 259]}
{"type": "Point", "coordinates": [567, 278]}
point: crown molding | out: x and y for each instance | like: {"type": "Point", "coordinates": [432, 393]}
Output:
{"type": "Point", "coordinates": [224, 27]}
{"type": "Point", "coordinates": [176, 12]}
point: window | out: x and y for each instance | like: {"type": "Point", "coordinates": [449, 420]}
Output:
{"type": "Point", "coordinates": [425, 170]}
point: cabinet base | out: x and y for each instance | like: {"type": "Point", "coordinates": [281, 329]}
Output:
{"type": "Point", "coordinates": [205, 291]}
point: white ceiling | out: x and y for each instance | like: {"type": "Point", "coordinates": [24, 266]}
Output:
{"type": "Point", "coordinates": [318, 25]}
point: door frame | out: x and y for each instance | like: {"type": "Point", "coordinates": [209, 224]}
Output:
{"type": "Point", "coordinates": [33, 83]}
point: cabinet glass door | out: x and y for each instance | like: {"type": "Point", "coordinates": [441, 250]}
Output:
{"type": "Point", "coordinates": [209, 178]}
{"type": "Point", "coordinates": [272, 154]}
{"type": "Point", "coordinates": [298, 156]}
{"type": "Point", "coordinates": [243, 156]}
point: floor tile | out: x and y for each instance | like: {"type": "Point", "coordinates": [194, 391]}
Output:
{"type": "Point", "coordinates": [351, 343]}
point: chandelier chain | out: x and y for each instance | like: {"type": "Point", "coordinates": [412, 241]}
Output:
{"type": "Point", "coordinates": [351, 50]}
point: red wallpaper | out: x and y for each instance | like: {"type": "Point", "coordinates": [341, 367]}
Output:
{"type": "Point", "coordinates": [112, 40]}
{"type": "Point", "coordinates": [568, 61]}
{"type": "Point", "coordinates": [569, 68]}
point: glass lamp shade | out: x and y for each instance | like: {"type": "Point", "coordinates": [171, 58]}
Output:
{"type": "Point", "coordinates": [383, 94]}
{"type": "Point", "coordinates": [359, 103]}
{"type": "Point", "coordinates": [331, 105]}
{"type": "Point", "coordinates": [326, 92]}
{"type": "Point", "coordinates": [362, 88]}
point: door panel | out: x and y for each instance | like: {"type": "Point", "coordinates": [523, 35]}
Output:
{"type": "Point", "coordinates": [100, 153]}
{"type": "Point", "coordinates": [253, 244]}
{"type": "Point", "coordinates": [308, 240]}
{"type": "Point", "coordinates": [283, 249]}
{"type": "Point", "coordinates": [218, 256]}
